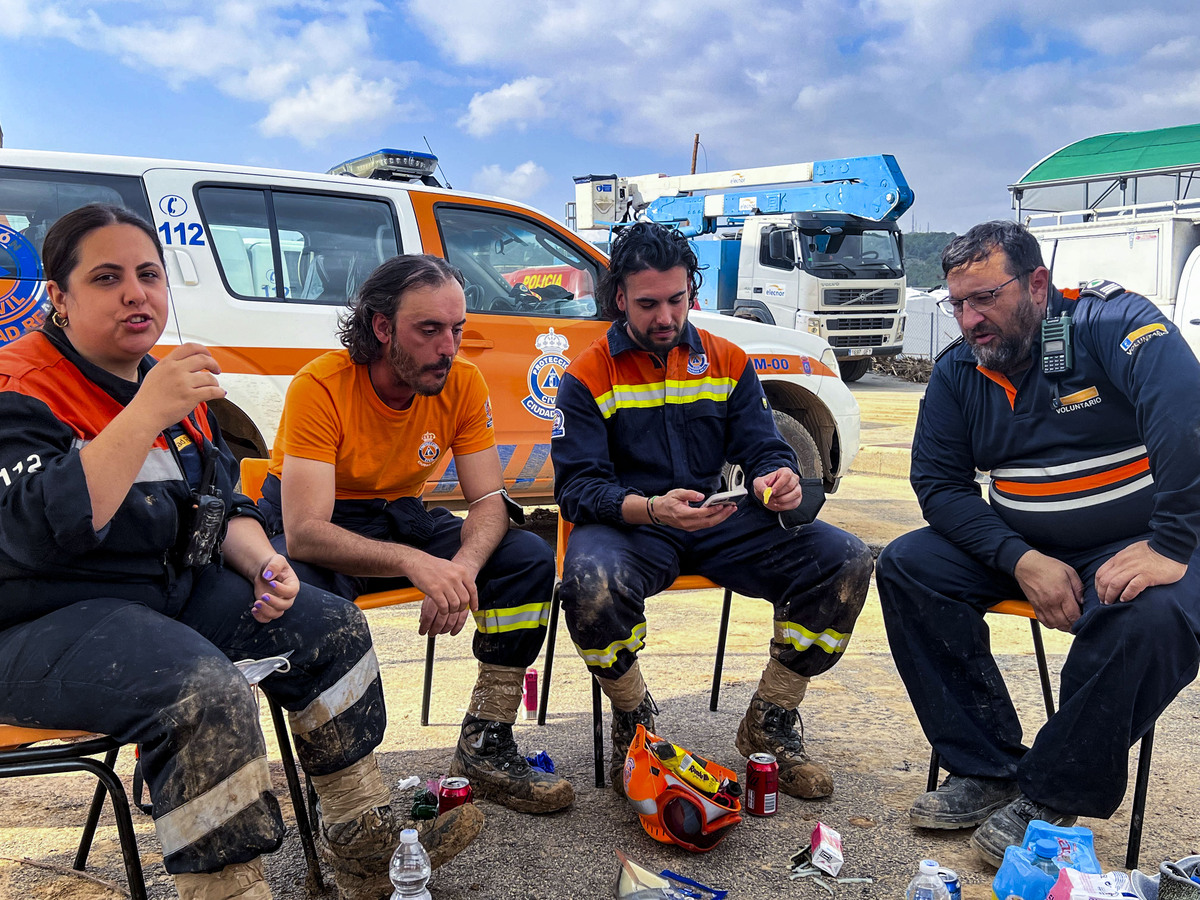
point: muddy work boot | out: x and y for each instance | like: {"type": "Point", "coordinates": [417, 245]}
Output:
{"type": "Point", "coordinates": [360, 850]}
{"type": "Point", "coordinates": [240, 881]}
{"type": "Point", "coordinates": [624, 730]}
{"type": "Point", "coordinates": [961, 802]}
{"type": "Point", "coordinates": [767, 728]}
{"type": "Point", "coordinates": [487, 755]}
{"type": "Point", "coordinates": [1007, 826]}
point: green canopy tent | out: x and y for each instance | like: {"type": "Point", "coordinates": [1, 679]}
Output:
{"type": "Point", "coordinates": [1115, 170]}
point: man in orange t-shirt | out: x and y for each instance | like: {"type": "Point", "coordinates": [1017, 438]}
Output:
{"type": "Point", "coordinates": [361, 428]}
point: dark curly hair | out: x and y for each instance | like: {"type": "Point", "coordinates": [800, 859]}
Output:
{"type": "Point", "coordinates": [1022, 252]}
{"type": "Point", "coordinates": [382, 292]}
{"type": "Point", "coordinates": [642, 246]}
{"type": "Point", "coordinates": [60, 250]}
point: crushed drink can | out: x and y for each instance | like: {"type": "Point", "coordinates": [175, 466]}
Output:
{"type": "Point", "coordinates": [454, 790]}
{"type": "Point", "coordinates": [950, 879]}
{"type": "Point", "coordinates": [529, 697]}
{"type": "Point", "coordinates": [762, 784]}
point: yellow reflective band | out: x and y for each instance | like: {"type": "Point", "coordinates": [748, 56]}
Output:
{"type": "Point", "coordinates": [646, 396]}
{"type": "Point", "coordinates": [512, 618]}
{"type": "Point", "coordinates": [606, 657]}
{"type": "Point", "coordinates": [801, 638]}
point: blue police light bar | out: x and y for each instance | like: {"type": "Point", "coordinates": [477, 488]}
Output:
{"type": "Point", "coordinates": [389, 165]}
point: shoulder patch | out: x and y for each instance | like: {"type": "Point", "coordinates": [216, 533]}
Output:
{"type": "Point", "coordinates": [1102, 289]}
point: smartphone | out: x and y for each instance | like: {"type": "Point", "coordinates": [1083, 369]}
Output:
{"type": "Point", "coordinates": [725, 498]}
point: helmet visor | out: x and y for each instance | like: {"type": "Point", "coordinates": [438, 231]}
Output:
{"type": "Point", "coordinates": [683, 819]}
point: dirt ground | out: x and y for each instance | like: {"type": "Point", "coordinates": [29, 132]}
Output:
{"type": "Point", "coordinates": [857, 717]}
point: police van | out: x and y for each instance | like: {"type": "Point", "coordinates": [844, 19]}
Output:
{"type": "Point", "coordinates": [261, 263]}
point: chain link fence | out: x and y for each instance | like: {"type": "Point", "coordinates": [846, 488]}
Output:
{"type": "Point", "coordinates": [927, 330]}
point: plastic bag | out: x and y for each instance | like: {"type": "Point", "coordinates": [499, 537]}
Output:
{"type": "Point", "coordinates": [1020, 877]}
{"type": "Point", "coordinates": [1076, 845]}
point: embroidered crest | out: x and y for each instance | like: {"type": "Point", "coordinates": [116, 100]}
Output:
{"type": "Point", "coordinates": [697, 363]}
{"type": "Point", "coordinates": [429, 451]}
{"type": "Point", "coordinates": [558, 428]}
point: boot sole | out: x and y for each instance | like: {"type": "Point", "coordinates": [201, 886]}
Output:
{"type": "Point", "coordinates": [955, 823]}
{"type": "Point", "coordinates": [520, 804]}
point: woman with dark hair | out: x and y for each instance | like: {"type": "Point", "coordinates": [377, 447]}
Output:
{"type": "Point", "coordinates": [133, 573]}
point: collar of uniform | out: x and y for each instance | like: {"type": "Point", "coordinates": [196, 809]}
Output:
{"type": "Point", "coordinates": [619, 340]}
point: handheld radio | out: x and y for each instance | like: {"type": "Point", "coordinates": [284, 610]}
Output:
{"type": "Point", "coordinates": [1057, 358]}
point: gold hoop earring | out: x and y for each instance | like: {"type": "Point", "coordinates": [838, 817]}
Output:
{"type": "Point", "coordinates": [59, 319]}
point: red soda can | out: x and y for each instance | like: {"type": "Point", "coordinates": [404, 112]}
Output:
{"type": "Point", "coordinates": [453, 791]}
{"type": "Point", "coordinates": [529, 699]}
{"type": "Point", "coordinates": [762, 784]}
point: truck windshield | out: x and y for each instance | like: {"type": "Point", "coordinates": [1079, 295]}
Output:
{"type": "Point", "coordinates": [872, 253]}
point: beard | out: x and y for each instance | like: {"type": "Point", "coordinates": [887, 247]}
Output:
{"type": "Point", "coordinates": [1010, 349]}
{"type": "Point", "coordinates": [661, 345]}
{"type": "Point", "coordinates": [428, 380]}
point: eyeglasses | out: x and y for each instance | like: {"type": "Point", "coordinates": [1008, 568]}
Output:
{"type": "Point", "coordinates": [979, 301]}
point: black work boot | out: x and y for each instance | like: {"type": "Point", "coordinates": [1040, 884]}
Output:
{"type": "Point", "coordinates": [359, 851]}
{"type": "Point", "coordinates": [624, 730]}
{"type": "Point", "coordinates": [961, 802]}
{"type": "Point", "coordinates": [1007, 825]}
{"type": "Point", "coordinates": [767, 728]}
{"type": "Point", "coordinates": [488, 757]}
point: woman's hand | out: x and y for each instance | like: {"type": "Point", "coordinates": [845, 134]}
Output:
{"type": "Point", "coordinates": [177, 384]}
{"type": "Point", "coordinates": [275, 587]}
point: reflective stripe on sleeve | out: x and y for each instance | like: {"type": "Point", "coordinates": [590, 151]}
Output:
{"type": "Point", "coordinates": [606, 657]}
{"type": "Point", "coordinates": [335, 700]}
{"type": "Point", "coordinates": [801, 638]}
{"type": "Point", "coordinates": [190, 821]}
{"type": "Point", "coordinates": [512, 618]}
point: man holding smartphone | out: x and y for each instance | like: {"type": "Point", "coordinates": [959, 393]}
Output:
{"type": "Point", "coordinates": [646, 418]}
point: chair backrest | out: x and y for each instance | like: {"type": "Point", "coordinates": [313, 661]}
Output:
{"type": "Point", "coordinates": [254, 473]}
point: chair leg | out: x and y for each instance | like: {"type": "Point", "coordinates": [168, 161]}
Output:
{"type": "Point", "coordinates": [93, 815]}
{"type": "Point", "coordinates": [597, 733]}
{"type": "Point", "coordinates": [428, 688]}
{"type": "Point", "coordinates": [313, 880]}
{"type": "Point", "coordinates": [551, 634]}
{"type": "Point", "coordinates": [1039, 650]}
{"type": "Point", "coordinates": [121, 812]}
{"type": "Point", "coordinates": [719, 663]}
{"type": "Point", "coordinates": [1140, 787]}
{"type": "Point", "coordinates": [935, 764]}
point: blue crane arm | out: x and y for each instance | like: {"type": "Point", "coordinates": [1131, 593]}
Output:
{"type": "Point", "coordinates": [869, 186]}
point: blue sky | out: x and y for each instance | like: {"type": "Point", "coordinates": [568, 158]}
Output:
{"type": "Point", "coordinates": [516, 98]}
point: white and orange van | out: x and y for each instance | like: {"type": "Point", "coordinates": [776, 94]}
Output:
{"type": "Point", "coordinates": [261, 263]}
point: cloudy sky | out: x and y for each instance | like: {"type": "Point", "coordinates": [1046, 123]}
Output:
{"type": "Point", "coordinates": [518, 97]}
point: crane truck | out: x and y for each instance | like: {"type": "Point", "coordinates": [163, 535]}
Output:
{"type": "Point", "coordinates": [1124, 207]}
{"type": "Point", "coordinates": [812, 246]}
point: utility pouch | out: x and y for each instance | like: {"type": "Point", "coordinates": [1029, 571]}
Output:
{"type": "Point", "coordinates": [812, 498]}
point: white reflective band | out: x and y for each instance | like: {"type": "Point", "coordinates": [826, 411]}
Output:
{"type": "Point", "coordinates": [1078, 503]}
{"type": "Point", "coordinates": [1067, 468]}
{"type": "Point", "coordinates": [339, 698]}
{"type": "Point", "coordinates": [189, 822]}
{"type": "Point", "coordinates": [801, 638]}
{"type": "Point", "coordinates": [494, 621]}
{"type": "Point", "coordinates": [160, 465]}
{"type": "Point", "coordinates": [607, 656]}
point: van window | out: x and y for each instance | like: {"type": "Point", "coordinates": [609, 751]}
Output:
{"type": "Point", "coordinates": [32, 201]}
{"type": "Point", "coordinates": [516, 266]}
{"type": "Point", "coordinates": [324, 246]}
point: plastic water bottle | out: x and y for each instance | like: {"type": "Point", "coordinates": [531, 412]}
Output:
{"type": "Point", "coordinates": [927, 885]}
{"type": "Point", "coordinates": [1045, 853]}
{"type": "Point", "coordinates": [410, 868]}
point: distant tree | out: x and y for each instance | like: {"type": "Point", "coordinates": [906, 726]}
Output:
{"type": "Point", "coordinates": [923, 257]}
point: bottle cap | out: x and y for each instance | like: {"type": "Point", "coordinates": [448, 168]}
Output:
{"type": "Point", "coordinates": [929, 867]}
{"type": "Point", "coordinates": [1047, 848]}
{"type": "Point", "coordinates": [408, 836]}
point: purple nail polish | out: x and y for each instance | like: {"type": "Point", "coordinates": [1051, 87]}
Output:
{"type": "Point", "coordinates": [268, 575]}
{"type": "Point", "coordinates": [275, 584]}
{"type": "Point", "coordinates": [266, 599]}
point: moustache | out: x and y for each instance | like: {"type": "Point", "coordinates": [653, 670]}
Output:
{"type": "Point", "coordinates": [442, 365]}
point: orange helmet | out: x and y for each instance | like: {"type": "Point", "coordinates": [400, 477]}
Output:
{"type": "Point", "coordinates": [671, 810]}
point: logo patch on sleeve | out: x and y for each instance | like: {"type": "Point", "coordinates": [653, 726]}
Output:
{"type": "Point", "coordinates": [558, 427]}
{"type": "Point", "coordinates": [1140, 335]}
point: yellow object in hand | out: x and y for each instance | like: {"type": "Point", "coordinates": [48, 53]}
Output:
{"type": "Point", "coordinates": [766, 496]}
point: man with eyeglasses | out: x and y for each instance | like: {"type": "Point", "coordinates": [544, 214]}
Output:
{"type": "Point", "coordinates": [1094, 517]}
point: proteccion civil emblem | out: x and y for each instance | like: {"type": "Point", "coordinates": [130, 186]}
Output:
{"type": "Point", "coordinates": [21, 285]}
{"type": "Point", "coordinates": [545, 375]}
{"type": "Point", "coordinates": [697, 363]}
{"type": "Point", "coordinates": [429, 451]}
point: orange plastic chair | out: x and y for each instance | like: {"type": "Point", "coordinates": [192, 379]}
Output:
{"type": "Point", "coordinates": [22, 753]}
{"type": "Point", "coordinates": [1024, 609]}
{"type": "Point", "coordinates": [254, 473]}
{"type": "Point", "coordinates": [682, 583]}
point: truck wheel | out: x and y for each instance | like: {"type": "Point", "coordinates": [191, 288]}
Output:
{"type": "Point", "coordinates": [854, 369]}
{"type": "Point", "coordinates": [802, 444]}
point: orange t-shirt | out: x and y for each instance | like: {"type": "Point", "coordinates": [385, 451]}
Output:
{"type": "Point", "coordinates": [332, 414]}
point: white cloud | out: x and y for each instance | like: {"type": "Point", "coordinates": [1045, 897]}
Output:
{"type": "Point", "coordinates": [521, 183]}
{"type": "Point", "coordinates": [329, 104]}
{"type": "Point", "coordinates": [519, 102]}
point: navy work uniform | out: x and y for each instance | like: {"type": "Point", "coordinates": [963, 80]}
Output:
{"type": "Point", "coordinates": [105, 631]}
{"type": "Point", "coordinates": [632, 424]}
{"type": "Point", "coordinates": [1081, 466]}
